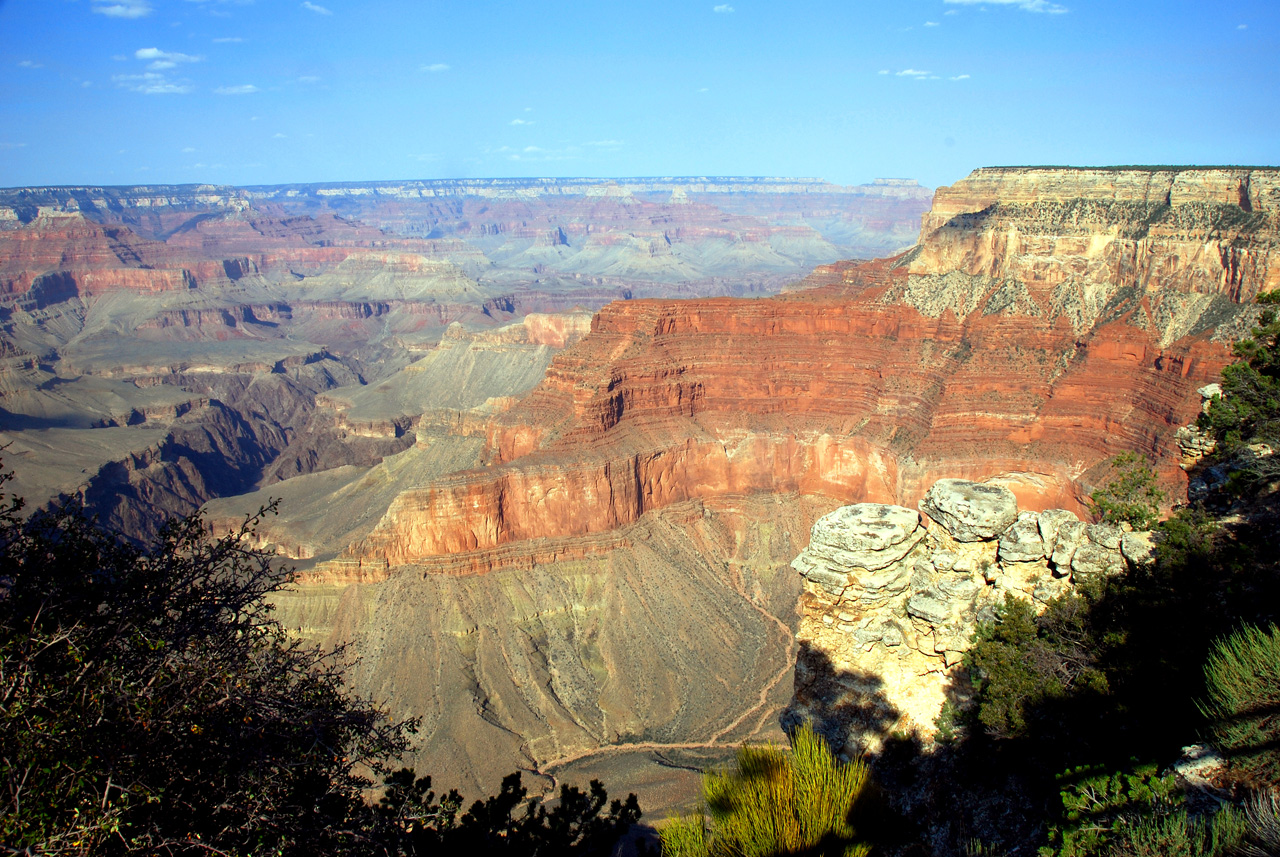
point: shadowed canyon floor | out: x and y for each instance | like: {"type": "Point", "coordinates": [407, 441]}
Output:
{"type": "Point", "coordinates": [557, 538]}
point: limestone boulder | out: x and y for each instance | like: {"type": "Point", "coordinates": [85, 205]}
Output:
{"type": "Point", "coordinates": [1139, 548]}
{"type": "Point", "coordinates": [929, 607]}
{"type": "Point", "coordinates": [859, 546]}
{"type": "Point", "coordinates": [1091, 560]}
{"type": "Point", "coordinates": [970, 511]}
{"type": "Point", "coordinates": [1022, 542]}
{"type": "Point", "coordinates": [866, 535]}
{"type": "Point", "coordinates": [870, 588]}
{"type": "Point", "coordinates": [1051, 520]}
{"type": "Point", "coordinates": [1070, 536]}
{"type": "Point", "coordinates": [1105, 535]}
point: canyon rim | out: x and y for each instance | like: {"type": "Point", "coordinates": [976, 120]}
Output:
{"type": "Point", "coordinates": [548, 450]}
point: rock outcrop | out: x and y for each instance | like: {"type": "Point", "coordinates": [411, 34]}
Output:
{"type": "Point", "coordinates": [1046, 321]}
{"type": "Point", "coordinates": [1029, 338]}
{"type": "Point", "coordinates": [892, 601]}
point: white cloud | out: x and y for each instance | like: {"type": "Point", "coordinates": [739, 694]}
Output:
{"type": "Point", "coordinates": [436, 67]}
{"type": "Point", "coordinates": [1242, 26]}
{"type": "Point", "coordinates": [29, 64]}
{"type": "Point", "coordinates": [932, 24]}
{"type": "Point", "coordinates": [278, 136]}
{"type": "Point", "coordinates": [162, 60]}
{"type": "Point", "coordinates": [1027, 5]}
{"type": "Point", "coordinates": [521, 122]}
{"type": "Point", "coordinates": [911, 72]}
{"type": "Point", "coordinates": [319, 10]}
{"type": "Point", "coordinates": [605, 143]}
{"type": "Point", "coordinates": [188, 149]}
{"type": "Point", "coordinates": [883, 71]}
{"type": "Point", "coordinates": [722, 9]}
{"type": "Point", "coordinates": [952, 12]}
{"type": "Point", "coordinates": [704, 89]}
{"type": "Point", "coordinates": [242, 89]}
{"type": "Point", "coordinates": [227, 39]}
{"type": "Point", "coordinates": [12, 145]}
{"type": "Point", "coordinates": [960, 77]}
{"type": "Point", "coordinates": [532, 149]}
{"type": "Point", "coordinates": [122, 8]}
{"type": "Point", "coordinates": [151, 83]}
{"type": "Point", "coordinates": [308, 78]}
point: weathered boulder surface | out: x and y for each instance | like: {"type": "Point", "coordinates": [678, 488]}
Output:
{"type": "Point", "coordinates": [970, 511]}
{"type": "Point", "coordinates": [1138, 548]}
{"type": "Point", "coordinates": [892, 605]}
{"type": "Point", "coordinates": [1023, 542]}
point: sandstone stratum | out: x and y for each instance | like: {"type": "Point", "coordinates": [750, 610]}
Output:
{"type": "Point", "coordinates": [200, 328]}
{"type": "Point", "coordinates": [568, 545]}
{"type": "Point", "coordinates": [1047, 320]}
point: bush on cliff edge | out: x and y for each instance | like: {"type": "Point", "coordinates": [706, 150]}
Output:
{"type": "Point", "coordinates": [773, 802]}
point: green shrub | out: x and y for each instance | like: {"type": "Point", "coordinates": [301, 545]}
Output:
{"type": "Point", "coordinates": [1248, 410]}
{"type": "Point", "coordinates": [1097, 803]}
{"type": "Point", "coordinates": [1022, 661]}
{"type": "Point", "coordinates": [1262, 825]}
{"type": "Point", "coordinates": [1136, 813]}
{"type": "Point", "coordinates": [772, 802]}
{"type": "Point", "coordinates": [1242, 682]}
{"type": "Point", "coordinates": [1130, 496]}
{"type": "Point", "coordinates": [1180, 835]}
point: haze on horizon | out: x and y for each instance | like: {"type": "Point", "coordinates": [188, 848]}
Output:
{"type": "Point", "coordinates": [244, 92]}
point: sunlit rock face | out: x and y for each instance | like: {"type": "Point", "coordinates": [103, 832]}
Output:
{"type": "Point", "coordinates": [506, 554]}
{"type": "Point", "coordinates": [1048, 319]}
{"type": "Point", "coordinates": [865, 385]}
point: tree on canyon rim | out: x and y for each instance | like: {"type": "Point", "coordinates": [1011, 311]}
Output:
{"type": "Point", "coordinates": [150, 703]}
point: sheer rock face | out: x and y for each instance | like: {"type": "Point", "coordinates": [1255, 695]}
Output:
{"type": "Point", "coordinates": [890, 639]}
{"type": "Point", "coordinates": [1172, 245]}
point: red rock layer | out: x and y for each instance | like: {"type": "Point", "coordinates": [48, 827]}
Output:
{"type": "Point", "coordinates": [830, 392]}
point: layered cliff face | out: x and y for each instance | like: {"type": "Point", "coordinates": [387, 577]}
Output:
{"type": "Point", "coordinates": [504, 558]}
{"type": "Point", "coordinates": [108, 293]}
{"type": "Point", "coordinates": [1176, 246]}
{"type": "Point", "coordinates": [1024, 343]}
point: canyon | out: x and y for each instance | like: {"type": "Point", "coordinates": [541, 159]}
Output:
{"type": "Point", "coordinates": [547, 450]}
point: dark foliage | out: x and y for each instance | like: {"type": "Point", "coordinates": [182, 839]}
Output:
{"type": "Point", "coordinates": [1248, 410]}
{"type": "Point", "coordinates": [1131, 496]}
{"type": "Point", "coordinates": [1242, 701]}
{"type": "Point", "coordinates": [150, 704]}
{"type": "Point", "coordinates": [412, 821]}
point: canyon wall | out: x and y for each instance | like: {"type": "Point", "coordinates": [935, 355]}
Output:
{"type": "Point", "coordinates": [123, 301]}
{"type": "Point", "coordinates": [551, 539]}
{"type": "Point", "coordinates": [1048, 320]}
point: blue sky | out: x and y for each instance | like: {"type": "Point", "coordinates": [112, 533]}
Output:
{"type": "Point", "coordinates": [274, 91]}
